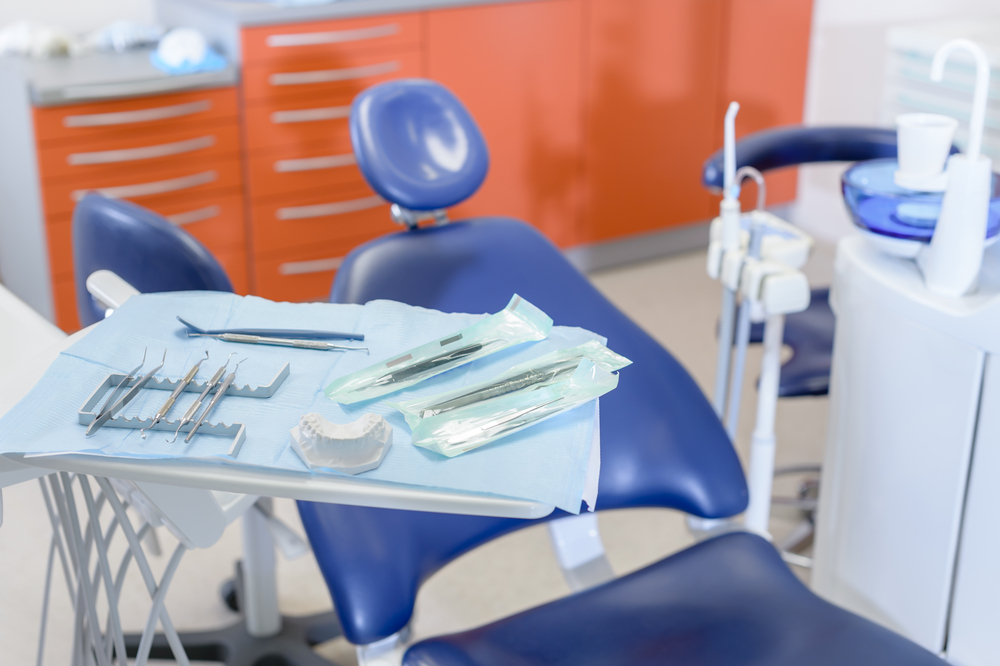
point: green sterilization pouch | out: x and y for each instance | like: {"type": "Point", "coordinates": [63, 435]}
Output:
{"type": "Point", "coordinates": [461, 420]}
{"type": "Point", "coordinates": [519, 322]}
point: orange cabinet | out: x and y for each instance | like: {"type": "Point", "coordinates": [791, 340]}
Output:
{"type": "Point", "coordinates": [765, 64]}
{"type": "Point", "coordinates": [176, 154]}
{"type": "Point", "coordinates": [651, 94]}
{"type": "Point", "coordinates": [518, 69]}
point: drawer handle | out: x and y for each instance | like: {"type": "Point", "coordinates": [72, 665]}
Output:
{"type": "Point", "coordinates": [332, 75]}
{"type": "Point", "coordinates": [314, 266]}
{"type": "Point", "coordinates": [336, 208]}
{"type": "Point", "coordinates": [148, 189]}
{"type": "Point", "coordinates": [144, 153]}
{"type": "Point", "coordinates": [192, 216]}
{"type": "Point", "coordinates": [314, 163]}
{"type": "Point", "coordinates": [334, 37]}
{"type": "Point", "coordinates": [139, 116]}
{"type": "Point", "coordinates": [310, 115]}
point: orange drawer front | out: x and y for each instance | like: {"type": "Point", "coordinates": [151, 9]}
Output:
{"type": "Point", "coordinates": [294, 169]}
{"type": "Point", "coordinates": [105, 158]}
{"type": "Point", "coordinates": [319, 217]}
{"type": "Point", "coordinates": [64, 295]}
{"type": "Point", "coordinates": [344, 75]}
{"type": "Point", "coordinates": [278, 44]}
{"type": "Point", "coordinates": [136, 116]}
{"type": "Point", "coordinates": [214, 218]}
{"type": "Point", "coordinates": [185, 176]}
{"type": "Point", "coordinates": [234, 260]}
{"type": "Point", "coordinates": [305, 274]}
{"type": "Point", "coordinates": [297, 124]}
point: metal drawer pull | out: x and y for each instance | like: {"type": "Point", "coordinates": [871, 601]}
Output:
{"type": "Point", "coordinates": [139, 116]}
{"type": "Point", "coordinates": [310, 115]}
{"type": "Point", "coordinates": [314, 163]}
{"type": "Point", "coordinates": [144, 153]}
{"type": "Point", "coordinates": [332, 75]}
{"type": "Point", "coordinates": [314, 266]}
{"type": "Point", "coordinates": [192, 216]}
{"type": "Point", "coordinates": [335, 37]}
{"type": "Point", "coordinates": [322, 210]}
{"type": "Point", "coordinates": [148, 189]}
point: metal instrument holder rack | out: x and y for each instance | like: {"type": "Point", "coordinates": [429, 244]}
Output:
{"type": "Point", "coordinates": [237, 431]}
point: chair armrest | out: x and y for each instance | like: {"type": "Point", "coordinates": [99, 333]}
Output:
{"type": "Point", "coordinates": [109, 290]}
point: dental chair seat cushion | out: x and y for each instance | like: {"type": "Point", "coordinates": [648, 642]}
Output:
{"type": "Point", "coordinates": [647, 424]}
{"type": "Point", "coordinates": [661, 443]}
{"type": "Point", "coordinates": [729, 601]}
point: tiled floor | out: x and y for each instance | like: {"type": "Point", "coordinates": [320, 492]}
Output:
{"type": "Point", "coordinates": [671, 298]}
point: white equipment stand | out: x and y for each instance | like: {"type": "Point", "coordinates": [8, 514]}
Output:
{"type": "Point", "coordinates": [907, 530]}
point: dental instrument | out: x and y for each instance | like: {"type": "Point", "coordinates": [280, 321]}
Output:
{"type": "Point", "coordinates": [230, 378]}
{"type": "Point", "coordinates": [429, 365]}
{"type": "Point", "coordinates": [519, 322]}
{"type": "Point", "coordinates": [474, 425]}
{"type": "Point", "coordinates": [277, 332]}
{"type": "Point", "coordinates": [122, 384]}
{"type": "Point", "coordinates": [539, 377]}
{"type": "Point", "coordinates": [743, 317]}
{"type": "Point", "coordinates": [169, 402]}
{"type": "Point", "coordinates": [729, 214]}
{"type": "Point", "coordinates": [124, 400]}
{"type": "Point", "coordinates": [318, 345]}
{"type": "Point", "coordinates": [196, 405]}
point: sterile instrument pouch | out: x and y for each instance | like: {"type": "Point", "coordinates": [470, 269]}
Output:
{"type": "Point", "coordinates": [454, 432]}
{"type": "Point", "coordinates": [532, 375]}
{"type": "Point", "coordinates": [519, 322]}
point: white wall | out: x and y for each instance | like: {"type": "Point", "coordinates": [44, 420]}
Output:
{"type": "Point", "coordinates": [846, 71]}
{"type": "Point", "coordinates": [75, 15]}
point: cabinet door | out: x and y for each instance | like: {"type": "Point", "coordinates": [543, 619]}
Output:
{"type": "Point", "coordinates": [652, 86]}
{"type": "Point", "coordinates": [517, 69]}
{"type": "Point", "coordinates": [765, 71]}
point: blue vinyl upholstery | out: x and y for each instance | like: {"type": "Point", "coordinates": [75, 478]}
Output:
{"type": "Point", "coordinates": [417, 144]}
{"type": "Point", "coordinates": [661, 444]}
{"type": "Point", "coordinates": [728, 601]}
{"type": "Point", "coordinates": [141, 247]}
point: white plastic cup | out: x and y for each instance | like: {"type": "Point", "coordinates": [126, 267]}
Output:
{"type": "Point", "coordinates": [923, 143]}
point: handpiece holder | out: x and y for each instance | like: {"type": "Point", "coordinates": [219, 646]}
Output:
{"type": "Point", "coordinates": [951, 262]}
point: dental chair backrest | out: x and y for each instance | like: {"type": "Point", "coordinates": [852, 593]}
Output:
{"type": "Point", "coordinates": [661, 444]}
{"type": "Point", "coordinates": [141, 247]}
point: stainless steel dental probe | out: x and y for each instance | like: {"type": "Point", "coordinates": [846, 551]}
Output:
{"type": "Point", "coordinates": [162, 411]}
{"type": "Point", "coordinates": [196, 405]}
{"type": "Point", "coordinates": [318, 345]}
{"type": "Point", "coordinates": [743, 319]}
{"type": "Point", "coordinates": [730, 214]}
{"type": "Point", "coordinates": [121, 385]}
{"type": "Point", "coordinates": [230, 378]}
{"type": "Point", "coordinates": [125, 399]}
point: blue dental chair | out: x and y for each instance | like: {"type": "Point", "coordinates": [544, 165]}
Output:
{"type": "Point", "coordinates": [141, 247]}
{"type": "Point", "coordinates": [728, 600]}
{"type": "Point", "coordinates": [153, 255]}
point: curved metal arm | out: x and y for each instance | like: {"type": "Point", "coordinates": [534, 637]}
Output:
{"type": "Point", "coordinates": [795, 144]}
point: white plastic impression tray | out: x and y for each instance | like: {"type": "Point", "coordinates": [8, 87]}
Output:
{"type": "Point", "coordinates": [351, 448]}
